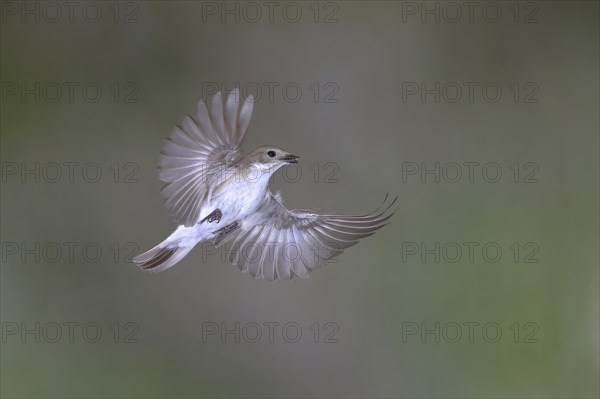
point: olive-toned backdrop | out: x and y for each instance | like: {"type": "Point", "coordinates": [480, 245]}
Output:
{"type": "Point", "coordinates": [482, 118]}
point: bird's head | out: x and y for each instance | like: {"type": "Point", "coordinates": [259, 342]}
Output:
{"type": "Point", "coordinates": [270, 158]}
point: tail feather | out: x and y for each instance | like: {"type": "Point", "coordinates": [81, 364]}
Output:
{"type": "Point", "coordinates": [161, 257]}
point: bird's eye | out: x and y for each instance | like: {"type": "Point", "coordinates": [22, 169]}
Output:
{"type": "Point", "coordinates": [271, 154]}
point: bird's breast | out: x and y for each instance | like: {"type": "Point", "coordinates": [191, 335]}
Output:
{"type": "Point", "coordinates": [240, 195]}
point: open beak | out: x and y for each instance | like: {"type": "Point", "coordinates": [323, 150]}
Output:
{"type": "Point", "coordinates": [289, 158]}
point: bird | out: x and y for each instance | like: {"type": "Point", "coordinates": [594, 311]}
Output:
{"type": "Point", "coordinates": [218, 194]}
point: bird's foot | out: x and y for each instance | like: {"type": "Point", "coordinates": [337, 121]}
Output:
{"type": "Point", "coordinates": [215, 216]}
{"type": "Point", "coordinates": [222, 233]}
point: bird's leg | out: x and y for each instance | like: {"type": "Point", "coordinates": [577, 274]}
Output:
{"type": "Point", "coordinates": [222, 233]}
{"type": "Point", "coordinates": [215, 216]}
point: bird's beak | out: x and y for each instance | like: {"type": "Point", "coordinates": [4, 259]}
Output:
{"type": "Point", "coordinates": [289, 158]}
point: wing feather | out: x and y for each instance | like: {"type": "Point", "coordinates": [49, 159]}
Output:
{"type": "Point", "coordinates": [269, 257]}
{"type": "Point", "coordinates": [216, 117]}
{"type": "Point", "coordinates": [197, 151]}
{"type": "Point", "coordinates": [209, 137]}
{"type": "Point", "coordinates": [256, 254]}
{"type": "Point", "coordinates": [293, 251]}
{"type": "Point", "coordinates": [231, 112]}
{"type": "Point", "coordinates": [304, 241]}
{"type": "Point", "coordinates": [283, 268]}
{"type": "Point", "coordinates": [244, 119]}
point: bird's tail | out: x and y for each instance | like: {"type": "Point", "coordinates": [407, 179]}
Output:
{"type": "Point", "coordinates": [162, 256]}
{"type": "Point", "coordinates": [173, 249]}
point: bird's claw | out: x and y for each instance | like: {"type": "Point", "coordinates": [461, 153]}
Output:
{"type": "Point", "coordinates": [215, 216]}
{"type": "Point", "coordinates": [223, 232]}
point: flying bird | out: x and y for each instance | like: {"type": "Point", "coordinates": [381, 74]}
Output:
{"type": "Point", "coordinates": [216, 193]}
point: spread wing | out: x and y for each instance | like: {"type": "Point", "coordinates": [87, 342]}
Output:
{"type": "Point", "coordinates": [197, 151]}
{"type": "Point", "coordinates": [277, 243]}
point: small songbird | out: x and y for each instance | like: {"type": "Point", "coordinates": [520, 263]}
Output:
{"type": "Point", "coordinates": [218, 194]}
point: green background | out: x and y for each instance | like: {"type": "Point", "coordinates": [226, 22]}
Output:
{"type": "Point", "coordinates": [168, 54]}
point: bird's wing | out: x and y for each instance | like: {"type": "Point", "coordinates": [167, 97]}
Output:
{"type": "Point", "coordinates": [198, 151]}
{"type": "Point", "coordinates": [277, 243]}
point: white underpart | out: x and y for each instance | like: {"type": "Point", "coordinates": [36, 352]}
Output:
{"type": "Point", "coordinates": [240, 197]}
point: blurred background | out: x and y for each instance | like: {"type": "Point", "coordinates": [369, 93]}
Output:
{"type": "Point", "coordinates": [483, 119]}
